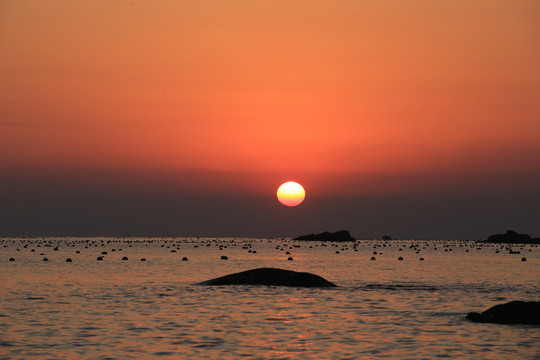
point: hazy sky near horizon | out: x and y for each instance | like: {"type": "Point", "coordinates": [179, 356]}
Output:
{"type": "Point", "coordinates": [415, 118]}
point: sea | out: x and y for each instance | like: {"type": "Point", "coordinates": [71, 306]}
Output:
{"type": "Point", "coordinates": [123, 307]}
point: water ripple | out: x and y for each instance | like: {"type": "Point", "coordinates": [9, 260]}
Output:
{"type": "Point", "coordinates": [382, 309]}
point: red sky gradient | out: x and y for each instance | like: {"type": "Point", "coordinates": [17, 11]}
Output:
{"type": "Point", "coordinates": [349, 98]}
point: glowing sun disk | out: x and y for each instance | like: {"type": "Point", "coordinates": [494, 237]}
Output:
{"type": "Point", "coordinates": [291, 193]}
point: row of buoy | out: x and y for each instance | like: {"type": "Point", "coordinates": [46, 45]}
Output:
{"type": "Point", "coordinates": [415, 247]}
{"type": "Point", "coordinates": [399, 258]}
{"type": "Point", "coordinates": [223, 257]}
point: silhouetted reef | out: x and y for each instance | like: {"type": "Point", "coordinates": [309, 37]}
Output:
{"type": "Point", "coordinates": [512, 237]}
{"type": "Point", "coordinates": [514, 312]}
{"type": "Point", "coordinates": [341, 235]}
{"type": "Point", "coordinates": [271, 276]}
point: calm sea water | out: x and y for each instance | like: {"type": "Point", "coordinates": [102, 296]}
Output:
{"type": "Point", "coordinates": [132, 309]}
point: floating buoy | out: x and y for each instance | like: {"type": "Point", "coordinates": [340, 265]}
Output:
{"type": "Point", "coordinates": [99, 258]}
{"type": "Point", "coordinates": [372, 258]}
{"type": "Point", "coordinates": [223, 257]}
{"type": "Point", "coordinates": [68, 260]}
{"type": "Point", "coordinates": [45, 259]}
{"type": "Point", "coordinates": [290, 258]}
{"type": "Point", "coordinates": [184, 259]}
{"type": "Point", "coordinates": [400, 258]}
{"type": "Point", "coordinates": [143, 259]}
{"type": "Point", "coordinates": [125, 258]}
{"type": "Point", "coordinates": [11, 259]}
{"type": "Point", "coordinates": [523, 259]}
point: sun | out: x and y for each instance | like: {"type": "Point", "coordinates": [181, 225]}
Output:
{"type": "Point", "coordinates": [291, 193]}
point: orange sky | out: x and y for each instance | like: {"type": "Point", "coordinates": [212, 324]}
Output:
{"type": "Point", "coordinates": [348, 97]}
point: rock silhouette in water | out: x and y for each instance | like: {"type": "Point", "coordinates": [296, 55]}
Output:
{"type": "Point", "coordinates": [515, 312]}
{"type": "Point", "coordinates": [512, 237]}
{"type": "Point", "coordinates": [342, 235]}
{"type": "Point", "coordinates": [271, 276]}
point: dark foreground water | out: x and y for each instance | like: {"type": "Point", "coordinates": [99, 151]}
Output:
{"type": "Point", "coordinates": [123, 309]}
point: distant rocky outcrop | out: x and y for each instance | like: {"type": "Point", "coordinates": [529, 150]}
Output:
{"type": "Point", "coordinates": [512, 237]}
{"type": "Point", "coordinates": [515, 312]}
{"type": "Point", "coordinates": [342, 235]}
{"type": "Point", "coordinates": [271, 276]}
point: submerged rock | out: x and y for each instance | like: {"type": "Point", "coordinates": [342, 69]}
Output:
{"type": "Point", "coordinates": [342, 235]}
{"type": "Point", "coordinates": [271, 276]}
{"type": "Point", "coordinates": [515, 312]}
